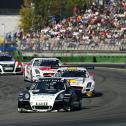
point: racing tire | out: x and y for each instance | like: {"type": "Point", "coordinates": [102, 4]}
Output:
{"type": "Point", "coordinates": [69, 108]}
{"type": "Point", "coordinates": [20, 110]}
{"type": "Point", "coordinates": [24, 77]}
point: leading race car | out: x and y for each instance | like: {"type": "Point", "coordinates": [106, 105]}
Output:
{"type": "Point", "coordinates": [49, 94]}
{"type": "Point", "coordinates": [79, 78]}
{"type": "Point", "coordinates": [8, 65]}
{"type": "Point", "coordinates": [40, 67]}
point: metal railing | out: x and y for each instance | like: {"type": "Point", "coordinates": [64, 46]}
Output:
{"type": "Point", "coordinates": [71, 45]}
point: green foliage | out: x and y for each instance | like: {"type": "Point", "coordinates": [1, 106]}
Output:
{"type": "Point", "coordinates": [26, 13]}
{"type": "Point", "coordinates": [27, 3]}
{"type": "Point", "coordinates": [41, 8]}
{"type": "Point", "coordinates": [26, 18]}
{"type": "Point", "coordinates": [87, 59]}
{"type": "Point", "coordinates": [70, 4]}
{"type": "Point", "coordinates": [17, 54]}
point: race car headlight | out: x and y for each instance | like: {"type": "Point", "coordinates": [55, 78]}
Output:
{"type": "Point", "coordinates": [37, 71]}
{"type": "Point", "coordinates": [27, 96]}
{"type": "Point", "coordinates": [19, 66]}
{"type": "Point", "coordinates": [24, 96]}
{"type": "Point", "coordinates": [88, 85]}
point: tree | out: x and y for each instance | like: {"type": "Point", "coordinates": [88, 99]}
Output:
{"type": "Point", "coordinates": [26, 16]}
{"type": "Point", "coordinates": [70, 4]}
{"type": "Point", "coordinates": [41, 8]}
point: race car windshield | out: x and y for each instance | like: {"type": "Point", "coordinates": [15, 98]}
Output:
{"type": "Point", "coordinates": [53, 63]}
{"type": "Point", "coordinates": [49, 87]}
{"type": "Point", "coordinates": [6, 58]}
{"type": "Point", "coordinates": [73, 74]}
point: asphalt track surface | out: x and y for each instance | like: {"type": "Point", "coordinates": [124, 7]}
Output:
{"type": "Point", "coordinates": [108, 108]}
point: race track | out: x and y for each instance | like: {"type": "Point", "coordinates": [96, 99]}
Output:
{"type": "Point", "coordinates": [108, 108]}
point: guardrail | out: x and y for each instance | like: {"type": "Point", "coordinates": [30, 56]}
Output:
{"type": "Point", "coordinates": [60, 53]}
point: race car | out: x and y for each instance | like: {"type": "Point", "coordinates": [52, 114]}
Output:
{"type": "Point", "coordinates": [40, 67]}
{"type": "Point", "coordinates": [79, 78]}
{"type": "Point", "coordinates": [49, 94]}
{"type": "Point", "coordinates": [8, 65]}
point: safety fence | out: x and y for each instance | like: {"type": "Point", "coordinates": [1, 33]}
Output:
{"type": "Point", "coordinates": [37, 46]}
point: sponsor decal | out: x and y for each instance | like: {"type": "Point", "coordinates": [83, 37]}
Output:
{"type": "Point", "coordinates": [71, 68]}
{"type": "Point", "coordinates": [41, 104]}
{"type": "Point", "coordinates": [8, 68]}
{"type": "Point", "coordinates": [73, 81]}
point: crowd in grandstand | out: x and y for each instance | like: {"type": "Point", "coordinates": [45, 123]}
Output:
{"type": "Point", "coordinates": [97, 27]}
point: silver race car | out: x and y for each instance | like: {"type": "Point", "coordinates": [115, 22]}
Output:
{"type": "Point", "coordinates": [79, 78]}
{"type": "Point", "coordinates": [49, 94]}
{"type": "Point", "coordinates": [8, 65]}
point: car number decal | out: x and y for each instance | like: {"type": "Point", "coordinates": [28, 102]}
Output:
{"type": "Point", "coordinates": [41, 104]}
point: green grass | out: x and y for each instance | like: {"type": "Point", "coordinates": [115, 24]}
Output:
{"type": "Point", "coordinates": [91, 59]}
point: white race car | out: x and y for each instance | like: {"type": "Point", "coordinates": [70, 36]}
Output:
{"type": "Point", "coordinates": [40, 67]}
{"type": "Point", "coordinates": [49, 94]}
{"type": "Point", "coordinates": [8, 65]}
{"type": "Point", "coordinates": [79, 78]}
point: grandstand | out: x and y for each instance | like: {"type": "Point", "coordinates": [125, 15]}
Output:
{"type": "Point", "coordinates": [94, 29]}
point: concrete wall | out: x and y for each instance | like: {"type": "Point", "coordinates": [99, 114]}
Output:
{"type": "Point", "coordinates": [10, 23]}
